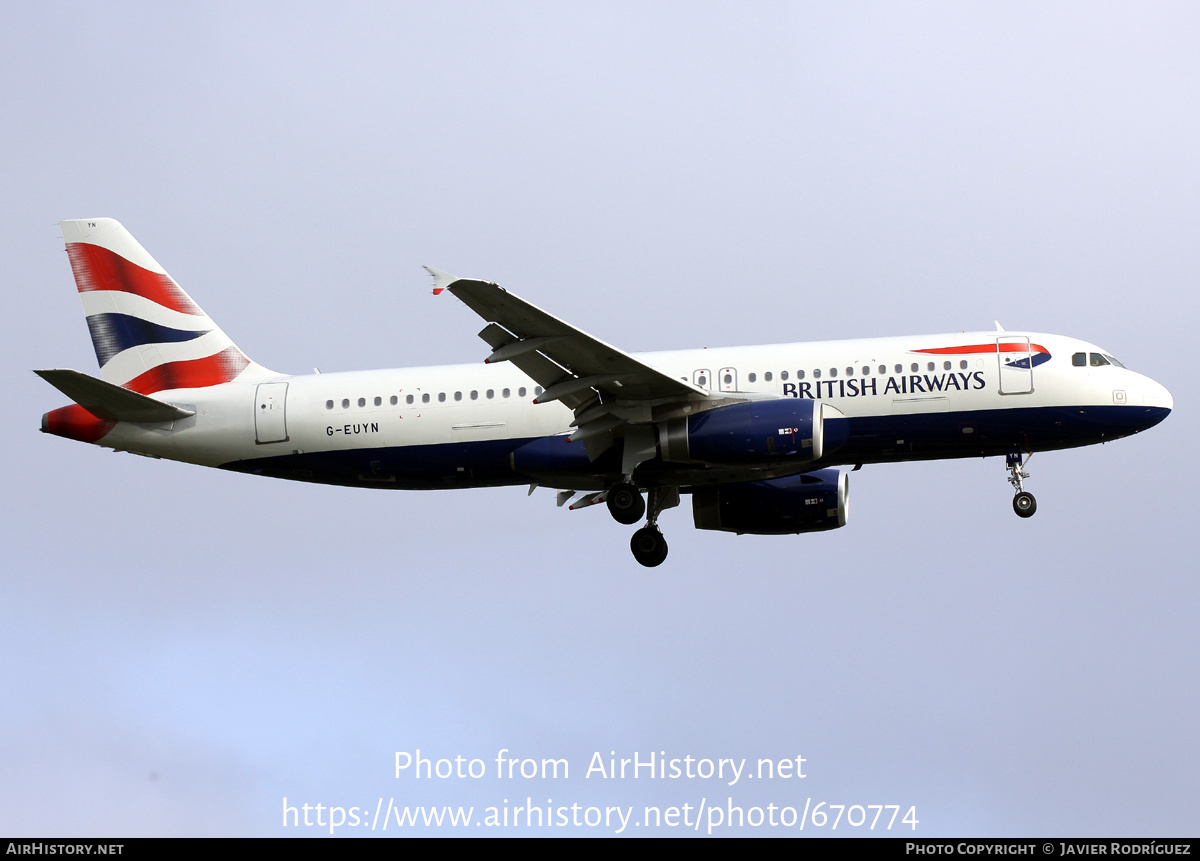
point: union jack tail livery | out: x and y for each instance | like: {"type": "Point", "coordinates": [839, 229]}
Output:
{"type": "Point", "coordinates": [148, 334]}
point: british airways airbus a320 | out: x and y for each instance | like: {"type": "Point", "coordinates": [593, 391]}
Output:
{"type": "Point", "coordinates": [753, 434]}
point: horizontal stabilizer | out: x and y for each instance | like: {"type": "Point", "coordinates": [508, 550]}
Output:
{"type": "Point", "coordinates": [111, 402]}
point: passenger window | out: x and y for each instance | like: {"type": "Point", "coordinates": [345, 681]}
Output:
{"type": "Point", "coordinates": [799, 375]}
{"type": "Point", "coordinates": [767, 376]}
{"type": "Point", "coordinates": [537, 391]}
{"type": "Point", "coordinates": [362, 402]}
{"type": "Point", "coordinates": [900, 369]}
{"type": "Point", "coordinates": [491, 393]}
{"type": "Point", "coordinates": [345, 403]}
{"type": "Point", "coordinates": [474, 395]}
{"type": "Point", "coordinates": [833, 372]}
{"type": "Point", "coordinates": [783, 375]}
{"type": "Point", "coordinates": [849, 372]}
{"type": "Point", "coordinates": [425, 398]}
{"type": "Point", "coordinates": [702, 381]}
{"type": "Point", "coordinates": [378, 401]}
{"type": "Point", "coordinates": [930, 366]}
{"type": "Point", "coordinates": [409, 399]}
{"type": "Point", "coordinates": [458, 396]}
{"type": "Point", "coordinates": [504, 393]}
{"type": "Point", "coordinates": [728, 379]}
{"type": "Point", "coordinates": [521, 392]}
{"type": "Point", "coordinates": [915, 367]}
{"type": "Point", "coordinates": [752, 377]}
{"type": "Point", "coordinates": [945, 366]}
{"type": "Point", "coordinates": [963, 364]}
{"type": "Point", "coordinates": [441, 397]}
{"type": "Point", "coordinates": [866, 371]}
{"type": "Point", "coordinates": [817, 374]}
{"type": "Point", "coordinates": [329, 405]}
{"type": "Point", "coordinates": [1079, 360]}
{"type": "Point", "coordinates": [395, 400]}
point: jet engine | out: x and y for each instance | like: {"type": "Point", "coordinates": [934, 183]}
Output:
{"type": "Point", "coordinates": [812, 502]}
{"type": "Point", "coordinates": [754, 432]}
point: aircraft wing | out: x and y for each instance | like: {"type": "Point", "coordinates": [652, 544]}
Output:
{"type": "Point", "coordinates": [606, 387]}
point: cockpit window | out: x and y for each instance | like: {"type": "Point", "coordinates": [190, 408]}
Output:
{"type": "Point", "coordinates": [1097, 360]}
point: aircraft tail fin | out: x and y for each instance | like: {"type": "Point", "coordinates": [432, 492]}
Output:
{"type": "Point", "coordinates": [149, 335]}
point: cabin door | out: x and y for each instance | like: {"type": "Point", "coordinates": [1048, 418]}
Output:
{"type": "Point", "coordinates": [270, 416]}
{"type": "Point", "coordinates": [1016, 365]}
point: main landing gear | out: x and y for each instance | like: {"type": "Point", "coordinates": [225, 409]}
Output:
{"type": "Point", "coordinates": [1023, 503]}
{"type": "Point", "coordinates": [648, 546]}
{"type": "Point", "coordinates": [626, 505]}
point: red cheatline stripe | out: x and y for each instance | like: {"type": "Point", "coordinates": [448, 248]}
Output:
{"type": "Point", "coordinates": [985, 348]}
{"type": "Point", "coordinates": [196, 374]}
{"type": "Point", "coordinates": [98, 268]}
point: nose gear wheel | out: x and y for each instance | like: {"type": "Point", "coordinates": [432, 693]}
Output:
{"type": "Point", "coordinates": [1023, 503]}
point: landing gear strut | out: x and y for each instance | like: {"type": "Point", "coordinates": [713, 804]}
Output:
{"type": "Point", "coordinates": [1023, 503]}
{"type": "Point", "coordinates": [626, 505]}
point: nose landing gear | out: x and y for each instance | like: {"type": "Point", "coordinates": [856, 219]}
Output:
{"type": "Point", "coordinates": [1023, 502]}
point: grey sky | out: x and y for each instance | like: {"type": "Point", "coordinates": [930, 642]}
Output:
{"type": "Point", "coordinates": [184, 647]}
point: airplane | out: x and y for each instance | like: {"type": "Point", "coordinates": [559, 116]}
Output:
{"type": "Point", "coordinates": [755, 435]}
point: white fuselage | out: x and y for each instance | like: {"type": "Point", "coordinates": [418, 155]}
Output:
{"type": "Point", "coordinates": [895, 383]}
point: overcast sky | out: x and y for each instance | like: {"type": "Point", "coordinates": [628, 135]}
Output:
{"type": "Point", "coordinates": [181, 649]}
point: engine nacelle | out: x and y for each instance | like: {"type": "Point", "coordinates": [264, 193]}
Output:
{"type": "Point", "coordinates": [778, 429]}
{"type": "Point", "coordinates": [781, 506]}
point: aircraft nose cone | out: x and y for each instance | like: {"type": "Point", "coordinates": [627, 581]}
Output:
{"type": "Point", "coordinates": [1156, 395]}
{"type": "Point", "coordinates": [1156, 403]}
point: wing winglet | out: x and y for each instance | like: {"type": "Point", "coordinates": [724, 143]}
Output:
{"type": "Point", "coordinates": [441, 280]}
